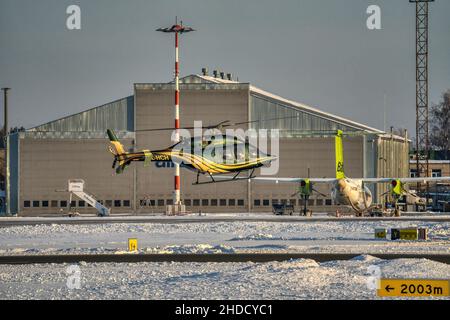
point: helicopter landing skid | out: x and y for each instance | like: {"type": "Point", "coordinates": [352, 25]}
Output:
{"type": "Point", "coordinates": [217, 179]}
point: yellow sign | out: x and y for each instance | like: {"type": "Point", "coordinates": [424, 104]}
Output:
{"type": "Point", "coordinates": [380, 233]}
{"type": "Point", "coordinates": [409, 234]}
{"type": "Point", "coordinates": [413, 288]}
{"type": "Point", "coordinates": [132, 245]}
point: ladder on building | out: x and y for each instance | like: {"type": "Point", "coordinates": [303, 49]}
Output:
{"type": "Point", "coordinates": [76, 187]}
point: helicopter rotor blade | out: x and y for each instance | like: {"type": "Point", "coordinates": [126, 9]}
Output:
{"type": "Point", "coordinates": [300, 133]}
{"type": "Point", "coordinates": [214, 126]}
{"type": "Point", "coordinates": [330, 133]}
{"type": "Point", "coordinates": [264, 120]}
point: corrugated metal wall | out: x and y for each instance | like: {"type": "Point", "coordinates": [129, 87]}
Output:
{"type": "Point", "coordinates": [393, 160]}
{"type": "Point", "coordinates": [290, 119]}
{"type": "Point", "coordinates": [117, 115]}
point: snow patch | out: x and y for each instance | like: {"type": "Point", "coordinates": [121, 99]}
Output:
{"type": "Point", "coordinates": [257, 236]}
{"type": "Point", "coordinates": [365, 258]}
{"type": "Point", "coordinates": [196, 249]}
{"type": "Point", "coordinates": [288, 280]}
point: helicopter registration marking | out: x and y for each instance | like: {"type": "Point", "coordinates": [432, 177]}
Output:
{"type": "Point", "coordinates": [160, 157]}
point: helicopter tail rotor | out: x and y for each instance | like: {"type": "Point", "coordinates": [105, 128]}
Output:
{"type": "Point", "coordinates": [121, 160]}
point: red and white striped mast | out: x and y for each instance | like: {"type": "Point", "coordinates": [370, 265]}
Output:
{"type": "Point", "coordinates": [177, 29]}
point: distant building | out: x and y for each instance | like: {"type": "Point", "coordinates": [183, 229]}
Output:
{"type": "Point", "coordinates": [43, 158]}
{"type": "Point", "coordinates": [437, 168]}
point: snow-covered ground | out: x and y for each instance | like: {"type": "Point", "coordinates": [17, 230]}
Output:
{"type": "Point", "coordinates": [296, 279]}
{"type": "Point", "coordinates": [214, 237]}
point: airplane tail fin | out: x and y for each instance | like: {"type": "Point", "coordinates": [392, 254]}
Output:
{"type": "Point", "coordinates": [339, 149]}
{"type": "Point", "coordinates": [118, 151]}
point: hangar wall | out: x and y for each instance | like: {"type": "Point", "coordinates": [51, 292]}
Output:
{"type": "Point", "coordinates": [46, 165]}
{"type": "Point", "coordinates": [305, 157]}
{"type": "Point", "coordinates": [43, 158]}
{"type": "Point", "coordinates": [208, 102]}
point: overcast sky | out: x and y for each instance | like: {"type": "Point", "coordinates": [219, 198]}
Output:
{"type": "Point", "coordinates": [318, 52]}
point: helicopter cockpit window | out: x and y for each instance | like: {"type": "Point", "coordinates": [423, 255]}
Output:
{"type": "Point", "coordinates": [224, 149]}
{"type": "Point", "coordinates": [252, 152]}
{"type": "Point", "coordinates": [240, 154]}
{"type": "Point", "coordinates": [228, 153]}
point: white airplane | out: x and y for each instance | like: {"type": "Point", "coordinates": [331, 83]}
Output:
{"type": "Point", "coordinates": [349, 191]}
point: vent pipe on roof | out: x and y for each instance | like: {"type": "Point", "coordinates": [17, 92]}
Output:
{"type": "Point", "coordinates": [215, 73]}
{"type": "Point", "coordinates": [222, 75]}
{"type": "Point", "coordinates": [205, 71]}
{"type": "Point", "coordinates": [230, 76]}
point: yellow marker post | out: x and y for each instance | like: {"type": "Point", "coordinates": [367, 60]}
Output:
{"type": "Point", "coordinates": [132, 245]}
{"type": "Point", "coordinates": [413, 288]}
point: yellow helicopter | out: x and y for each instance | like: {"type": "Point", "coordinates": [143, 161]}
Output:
{"type": "Point", "coordinates": [215, 155]}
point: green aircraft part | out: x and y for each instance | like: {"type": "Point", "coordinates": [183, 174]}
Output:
{"type": "Point", "coordinates": [397, 188]}
{"type": "Point", "coordinates": [305, 187]}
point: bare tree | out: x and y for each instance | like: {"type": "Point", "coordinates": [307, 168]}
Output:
{"type": "Point", "coordinates": [440, 125]}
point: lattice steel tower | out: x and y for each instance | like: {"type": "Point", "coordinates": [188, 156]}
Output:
{"type": "Point", "coordinates": [422, 134]}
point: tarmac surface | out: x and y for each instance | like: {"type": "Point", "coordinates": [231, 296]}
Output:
{"type": "Point", "coordinates": [18, 221]}
{"type": "Point", "coordinates": [227, 257]}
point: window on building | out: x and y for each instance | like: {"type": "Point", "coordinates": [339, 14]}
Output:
{"type": "Point", "coordinates": [126, 203]}
{"type": "Point", "coordinates": [73, 203]}
{"type": "Point", "coordinates": [196, 202]}
{"type": "Point", "coordinates": [35, 204]}
{"type": "Point", "coordinates": [292, 202]}
{"type": "Point", "coordinates": [328, 202]}
{"type": "Point", "coordinates": [63, 204]}
{"type": "Point", "coordinates": [232, 202]}
{"type": "Point", "coordinates": [301, 202]}
{"type": "Point", "coordinates": [108, 203]}
{"type": "Point", "coordinates": [257, 202]}
{"type": "Point", "coordinates": [160, 202]}
{"type": "Point", "coordinates": [241, 202]}
{"type": "Point", "coordinates": [436, 173]}
{"type": "Point", "coordinates": [284, 201]}
{"type": "Point", "coordinates": [223, 202]}
{"type": "Point", "coordinates": [81, 203]}
{"type": "Point", "coordinates": [169, 202]}
{"type": "Point", "coordinates": [187, 202]}
{"type": "Point", "coordinates": [214, 202]}
{"type": "Point", "coordinates": [310, 202]}
{"type": "Point", "coordinates": [27, 204]}
{"type": "Point", "coordinates": [117, 203]}
{"type": "Point", "coordinates": [143, 203]}
{"type": "Point", "coordinates": [54, 203]}
{"type": "Point", "coordinates": [205, 202]}
{"type": "Point", "coordinates": [45, 203]}
{"type": "Point", "coordinates": [413, 173]}
{"type": "Point", "coordinates": [319, 202]}
{"type": "Point", "coordinates": [266, 202]}
{"type": "Point", "coordinates": [275, 201]}
{"type": "Point", "coordinates": [100, 201]}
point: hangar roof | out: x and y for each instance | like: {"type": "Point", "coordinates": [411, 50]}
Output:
{"type": "Point", "coordinates": [302, 107]}
{"type": "Point", "coordinates": [119, 114]}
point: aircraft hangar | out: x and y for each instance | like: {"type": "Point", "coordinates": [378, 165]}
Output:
{"type": "Point", "coordinates": [43, 158]}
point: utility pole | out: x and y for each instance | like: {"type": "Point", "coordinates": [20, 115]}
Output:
{"type": "Point", "coordinates": [422, 111]}
{"type": "Point", "coordinates": [5, 137]}
{"type": "Point", "coordinates": [177, 29]}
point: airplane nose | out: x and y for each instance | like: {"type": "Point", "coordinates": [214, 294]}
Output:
{"type": "Point", "coordinates": [342, 184]}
